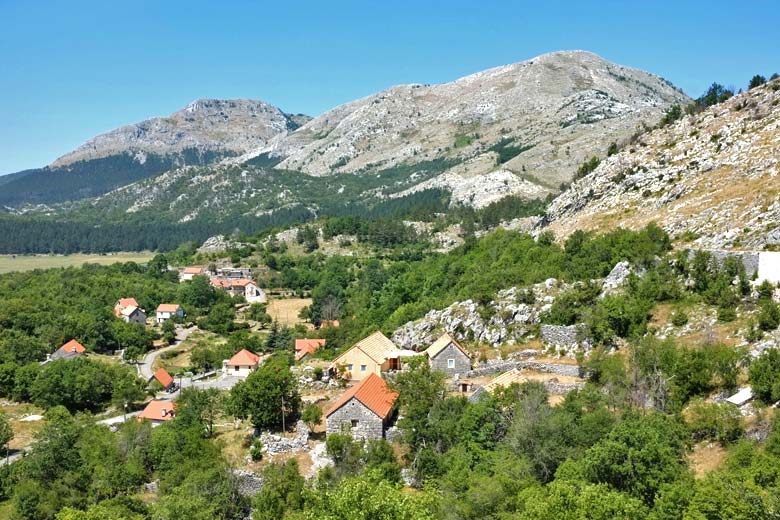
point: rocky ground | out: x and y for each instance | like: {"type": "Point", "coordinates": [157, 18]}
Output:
{"type": "Point", "coordinates": [710, 180]}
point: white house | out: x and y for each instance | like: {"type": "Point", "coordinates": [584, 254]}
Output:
{"type": "Point", "coordinates": [241, 364]}
{"type": "Point", "coordinates": [188, 273]}
{"type": "Point", "coordinates": [243, 286]}
{"type": "Point", "coordinates": [166, 311]}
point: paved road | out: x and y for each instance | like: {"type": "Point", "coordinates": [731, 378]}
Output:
{"type": "Point", "coordinates": [145, 366]}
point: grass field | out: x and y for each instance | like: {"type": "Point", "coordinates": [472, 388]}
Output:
{"type": "Point", "coordinates": [285, 311]}
{"type": "Point", "coordinates": [9, 263]}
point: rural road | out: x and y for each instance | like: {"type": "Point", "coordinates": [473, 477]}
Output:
{"type": "Point", "coordinates": [145, 366]}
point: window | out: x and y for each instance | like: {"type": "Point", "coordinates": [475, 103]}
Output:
{"type": "Point", "coordinates": [362, 368]}
{"type": "Point", "coordinates": [354, 423]}
{"type": "Point", "coordinates": [450, 363]}
{"type": "Point", "coordinates": [349, 367]}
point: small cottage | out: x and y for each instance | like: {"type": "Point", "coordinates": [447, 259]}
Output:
{"type": "Point", "coordinates": [158, 412]}
{"type": "Point", "coordinates": [505, 380]}
{"type": "Point", "coordinates": [304, 347]}
{"type": "Point", "coordinates": [446, 355]}
{"type": "Point", "coordinates": [166, 311]}
{"type": "Point", "coordinates": [123, 303]}
{"type": "Point", "coordinates": [133, 314]}
{"type": "Point", "coordinates": [364, 411]}
{"type": "Point", "coordinates": [241, 364]}
{"type": "Point", "coordinates": [188, 273]}
{"type": "Point", "coordinates": [163, 377]}
{"type": "Point", "coordinates": [371, 355]}
{"type": "Point", "coordinates": [69, 350]}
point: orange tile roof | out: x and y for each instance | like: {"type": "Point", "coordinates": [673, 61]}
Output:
{"type": "Point", "coordinates": [192, 270]}
{"type": "Point", "coordinates": [158, 411]}
{"type": "Point", "coordinates": [244, 358]}
{"type": "Point", "coordinates": [307, 346]}
{"type": "Point", "coordinates": [73, 346]}
{"type": "Point", "coordinates": [163, 377]}
{"type": "Point", "coordinates": [124, 303]}
{"type": "Point", "coordinates": [242, 282]}
{"type": "Point", "coordinates": [373, 392]}
{"type": "Point", "coordinates": [168, 307]}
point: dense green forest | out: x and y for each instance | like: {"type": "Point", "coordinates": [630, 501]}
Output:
{"type": "Point", "coordinates": [85, 179]}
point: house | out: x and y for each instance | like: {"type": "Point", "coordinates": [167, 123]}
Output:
{"type": "Point", "coordinates": [505, 380]}
{"type": "Point", "coordinates": [240, 286]}
{"type": "Point", "coordinates": [447, 355]}
{"type": "Point", "coordinates": [166, 311]}
{"type": "Point", "coordinates": [241, 364]}
{"type": "Point", "coordinates": [69, 350]}
{"type": "Point", "coordinates": [133, 314]}
{"type": "Point", "coordinates": [188, 273]}
{"type": "Point", "coordinates": [158, 412]}
{"type": "Point", "coordinates": [304, 347]}
{"type": "Point", "coordinates": [364, 411]}
{"type": "Point", "coordinates": [163, 377]}
{"type": "Point", "coordinates": [372, 355]}
{"type": "Point", "coordinates": [123, 303]}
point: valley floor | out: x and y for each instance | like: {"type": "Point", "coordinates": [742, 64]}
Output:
{"type": "Point", "coordinates": [10, 263]}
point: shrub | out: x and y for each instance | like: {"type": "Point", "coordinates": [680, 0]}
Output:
{"type": "Point", "coordinates": [679, 318]}
{"type": "Point", "coordinates": [256, 450]}
{"type": "Point", "coordinates": [756, 81]}
{"type": "Point", "coordinates": [768, 316]}
{"type": "Point", "coordinates": [719, 422]}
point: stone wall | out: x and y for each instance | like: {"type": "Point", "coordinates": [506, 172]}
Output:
{"type": "Point", "coordinates": [494, 367]}
{"type": "Point", "coordinates": [462, 361]}
{"type": "Point", "coordinates": [369, 425]}
{"type": "Point", "coordinates": [275, 444]}
{"type": "Point", "coordinates": [248, 483]}
{"type": "Point", "coordinates": [749, 259]}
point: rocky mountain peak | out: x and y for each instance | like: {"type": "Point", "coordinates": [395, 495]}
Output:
{"type": "Point", "coordinates": [226, 126]}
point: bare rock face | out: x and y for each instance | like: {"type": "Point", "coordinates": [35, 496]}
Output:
{"type": "Point", "coordinates": [708, 179]}
{"type": "Point", "coordinates": [229, 126]}
{"type": "Point", "coordinates": [516, 129]}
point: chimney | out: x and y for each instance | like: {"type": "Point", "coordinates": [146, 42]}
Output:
{"type": "Point", "coordinates": [164, 412]}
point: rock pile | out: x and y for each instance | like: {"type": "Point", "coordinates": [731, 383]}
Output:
{"type": "Point", "coordinates": [276, 444]}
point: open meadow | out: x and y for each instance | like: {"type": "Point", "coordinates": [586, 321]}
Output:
{"type": "Point", "coordinates": [9, 263]}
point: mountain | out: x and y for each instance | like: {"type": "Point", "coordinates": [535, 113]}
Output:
{"type": "Point", "coordinates": [204, 132]}
{"type": "Point", "coordinates": [709, 179]}
{"type": "Point", "coordinates": [521, 128]}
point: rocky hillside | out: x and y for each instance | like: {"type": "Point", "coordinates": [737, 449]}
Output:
{"type": "Point", "coordinates": [225, 126]}
{"type": "Point", "coordinates": [204, 132]}
{"type": "Point", "coordinates": [517, 129]}
{"type": "Point", "coordinates": [709, 179]}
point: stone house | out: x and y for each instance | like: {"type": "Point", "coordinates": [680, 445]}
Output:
{"type": "Point", "coordinates": [364, 411]}
{"type": "Point", "coordinates": [69, 350]}
{"type": "Point", "coordinates": [446, 355]}
{"type": "Point", "coordinates": [166, 311]}
{"type": "Point", "coordinates": [372, 355]}
{"type": "Point", "coordinates": [241, 364]}
{"type": "Point", "coordinates": [133, 314]}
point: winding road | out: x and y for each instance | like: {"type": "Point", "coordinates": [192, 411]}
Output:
{"type": "Point", "coordinates": [145, 369]}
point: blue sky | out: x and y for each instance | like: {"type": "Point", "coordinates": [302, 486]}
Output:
{"type": "Point", "coordinates": [71, 70]}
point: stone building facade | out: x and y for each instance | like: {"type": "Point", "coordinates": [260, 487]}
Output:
{"type": "Point", "coordinates": [451, 360]}
{"type": "Point", "coordinates": [358, 420]}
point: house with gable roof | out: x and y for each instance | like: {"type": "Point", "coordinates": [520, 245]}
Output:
{"type": "Point", "coordinates": [372, 355]}
{"type": "Point", "coordinates": [241, 364]}
{"type": "Point", "coordinates": [166, 311]}
{"type": "Point", "coordinates": [364, 411]}
{"type": "Point", "coordinates": [69, 350]}
{"type": "Point", "coordinates": [446, 355]}
{"type": "Point", "coordinates": [158, 412]}
{"type": "Point", "coordinates": [306, 346]}
{"type": "Point", "coordinates": [163, 377]}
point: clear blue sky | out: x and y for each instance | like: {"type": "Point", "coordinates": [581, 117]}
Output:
{"type": "Point", "coordinates": [71, 70]}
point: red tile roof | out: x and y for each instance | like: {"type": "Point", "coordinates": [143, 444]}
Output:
{"type": "Point", "coordinates": [163, 377]}
{"type": "Point", "coordinates": [373, 392]}
{"type": "Point", "coordinates": [124, 303]}
{"type": "Point", "coordinates": [244, 358]}
{"type": "Point", "coordinates": [304, 347]}
{"type": "Point", "coordinates": [192, 270]}
{"type": "Point", "coordinates": [73, 346]}
{"type": "Point", "coordinates": [158, 411]}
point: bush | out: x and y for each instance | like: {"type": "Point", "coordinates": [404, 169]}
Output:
{"type": "Point", "coordinates": [768, 316]}
{"type": "Point", "coordinates": [719, 422]}
{"type": "Point", "coordinates": [679, 318]}
{"type": "Point", "coordinates": [765, 376]}
{"type": "Point", "coordinates": [311, 415]}
{"type": "Point", "coordinates": [756, 81]}
{"type": "Point", "coordinates": [256, 450]}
